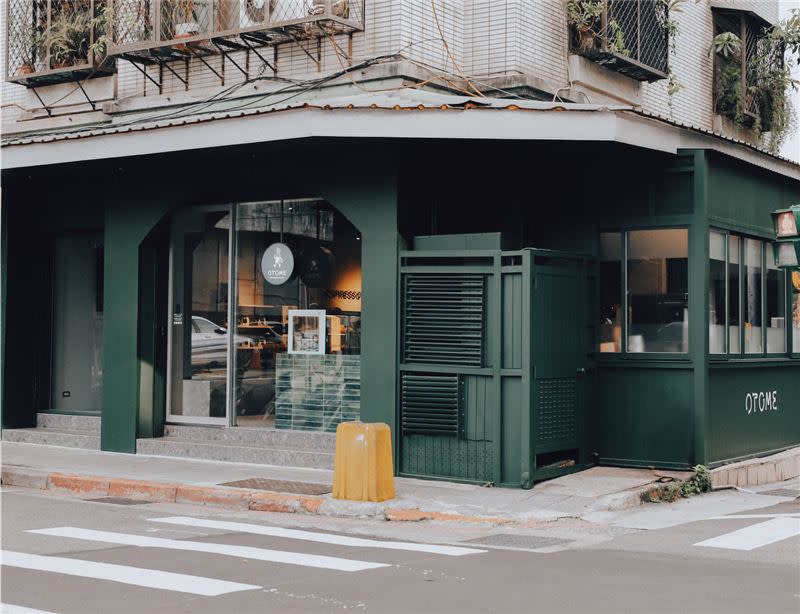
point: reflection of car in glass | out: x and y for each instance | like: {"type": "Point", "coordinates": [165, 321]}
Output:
{"type": "Point", "coordinates": [210, 344]}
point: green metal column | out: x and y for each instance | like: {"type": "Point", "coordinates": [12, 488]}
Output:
{"type": "Point", "coordinates": [699, 280]}
{"type": "Point", "coordinates": [371, 205]}
{"type": "Point", "coordinates": [126, 226]}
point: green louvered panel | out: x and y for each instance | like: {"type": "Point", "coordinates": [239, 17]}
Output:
{"type": "Point", "coordinates": [443, 318]}
{"type": "Point", "coordinates": [431, 404]}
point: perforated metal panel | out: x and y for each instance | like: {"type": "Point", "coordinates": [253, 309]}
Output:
{"type": "Point", "coordinates": [557, 400]}
{"type": "Point", "coordinates": [443, 318]}
{"type": "Point", "coordinates": [431, 404]}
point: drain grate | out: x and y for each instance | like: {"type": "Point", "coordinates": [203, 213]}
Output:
{"type": "Point", "coordinates": [294, 488]}
{"type": "Point", "coordinates": [119, 501]}
{"type": "Point", "coordinates": [782, 492]}
{"type": "Point", "coordinates": [523, 542]}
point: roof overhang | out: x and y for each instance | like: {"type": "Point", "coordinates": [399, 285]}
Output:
{"type": "Point", "coordinates": [476, 122]}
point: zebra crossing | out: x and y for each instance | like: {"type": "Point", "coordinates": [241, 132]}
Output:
{"type": "Point", "coordinates": [205, 586]}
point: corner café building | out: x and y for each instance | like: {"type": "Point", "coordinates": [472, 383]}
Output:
{"type": "Point", "coordinates": [518, 290]}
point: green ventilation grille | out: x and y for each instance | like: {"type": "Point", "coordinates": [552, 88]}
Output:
{"type": "Point", "coordinates": [431, 404]}
{"type": "Point", "coordinates": [443, 317]}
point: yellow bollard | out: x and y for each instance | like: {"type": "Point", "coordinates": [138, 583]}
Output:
{"type": "Point", "coordinates": [362, 469]}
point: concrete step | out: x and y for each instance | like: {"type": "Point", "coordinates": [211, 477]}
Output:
{"type": "Point", "coordinates": [66, 438]}
{"type": "Point", "coordinates": [262, 438]}
{"type": "Point", "coordinates": [262, 455]}
{"type": "Point", "coordinates": [89, 424]}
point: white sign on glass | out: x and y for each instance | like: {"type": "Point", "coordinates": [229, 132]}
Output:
{"type": "Point", "coordinates": [306, 331]}
{"type": "Point", "coordinates": [277, 264]}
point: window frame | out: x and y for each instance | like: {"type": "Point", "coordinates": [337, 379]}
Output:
{"type": "Point", "coordinates": [766, 251]}
{"type": "Point", "coordinates": [624, 354]}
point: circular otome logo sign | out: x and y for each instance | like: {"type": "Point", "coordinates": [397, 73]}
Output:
{"type": "Point", "coordinates": [277, 264]}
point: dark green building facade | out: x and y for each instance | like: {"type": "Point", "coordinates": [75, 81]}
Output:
{"type": "Point", "coordinates": [526, 307]}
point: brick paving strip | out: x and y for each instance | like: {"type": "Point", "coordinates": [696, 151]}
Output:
{"type": "Point", "coordinates": [220, 496]}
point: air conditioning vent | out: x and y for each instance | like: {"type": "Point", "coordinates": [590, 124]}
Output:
{"type": "Point", "coordinates": [443, 318]}
{"type": "Point", "coordinates": [431, 404]}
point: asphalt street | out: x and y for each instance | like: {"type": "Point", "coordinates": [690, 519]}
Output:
{"type": "Point", "coordinates": [66, 555]}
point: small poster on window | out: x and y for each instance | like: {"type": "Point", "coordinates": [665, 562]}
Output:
{"type": "Point", "coordinates": [306, 331]}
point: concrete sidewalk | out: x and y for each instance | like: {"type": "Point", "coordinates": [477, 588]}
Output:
{"type": "Point", "coordinates": [89, 473]}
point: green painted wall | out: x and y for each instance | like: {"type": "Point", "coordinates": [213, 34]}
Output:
{"type": "Point", "coordinates": [646, 416]}
{"type": "Point", "coordinates": [742, 196]}
{"type": "Point", "coordinates": [742, 421]}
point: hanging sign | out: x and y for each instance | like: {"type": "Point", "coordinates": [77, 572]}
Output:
{"type": "Point", "coordinates": [277, 264]}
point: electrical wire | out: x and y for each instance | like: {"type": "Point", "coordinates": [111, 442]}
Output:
{"type": "Point", "coordinates": [304, 86]}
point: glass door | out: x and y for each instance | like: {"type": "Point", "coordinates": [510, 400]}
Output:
{"type": "Point", "coordinates": [199, 340]}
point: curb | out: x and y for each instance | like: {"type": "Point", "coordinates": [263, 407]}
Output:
{"type": "Point", "coordinates": [226, 497]}
{"type": "Point", "coordinates": [758, 471]}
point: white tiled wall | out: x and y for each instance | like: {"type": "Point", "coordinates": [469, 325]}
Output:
{"type": "Point", "coordinates": [485, 38]}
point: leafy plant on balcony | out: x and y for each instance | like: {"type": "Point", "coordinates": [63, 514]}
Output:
{"type": "Point", "coordinates": [71, 35]}
{"type": "Point", "coordinates": [586, 18]}
{"type": "Point", "coordinates": [762, 95]}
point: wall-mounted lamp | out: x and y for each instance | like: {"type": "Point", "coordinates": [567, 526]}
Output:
{"type": "Point", "coordinates": [787, 249]}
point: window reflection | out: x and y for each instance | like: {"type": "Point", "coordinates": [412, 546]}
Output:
{"type": "Point", "coordinates": [753, 333]}
{"type": "Point", "coordinates": [717, 294]}
{"type": "Point", "coordinates": [658, 275]}
{"type": "Point", "coordinates": [610, 292]}
{"type": "Point", "coordinates": [303, 371]}
{"type": "Point", "coordinates": [734, 287]}
{"type": "Point", "coordinates": [776, 308]}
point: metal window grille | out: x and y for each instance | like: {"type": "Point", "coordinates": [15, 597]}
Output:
{"type": "Point", "coordinates": [431, 404]}
{"type": "Point", "coordinates": [51, 41]}
{"type": "Point", "coordinates": [443, 318]}
{"type": "Point", "coordinates": [175, 29]}
{"type": "Point", "coordinates": [739, 88]}
{"type": "Point", "coordinates": [630, 37]}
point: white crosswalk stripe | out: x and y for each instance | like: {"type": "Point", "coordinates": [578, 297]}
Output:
{"type": "Point", "coordinates": [137, 576]}
{"type": "Point", "coordinates": [247, 552]}
{"type": "Point", "coordinates": [7, 608]}
{"type": "Point", "coordinates": [324, 538]}
{"type": "Point", "coordinates": [755, 536]}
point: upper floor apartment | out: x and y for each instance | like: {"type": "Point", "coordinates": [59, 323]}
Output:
{"type": "Point", "coordinates": [69, 62]}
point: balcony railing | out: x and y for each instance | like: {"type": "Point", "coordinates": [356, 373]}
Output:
{"type": "Point", "coordinates": [53, 41]}
{"type": "Point", "coordinates": [176, 28]}
{"type": "Point", "coordinates": [742, 78]}
{"type": "Point", "coordinates": [630, 37]}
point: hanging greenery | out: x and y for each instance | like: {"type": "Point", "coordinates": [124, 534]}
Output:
{"type": "Point", "coordinates": [586, 19]}
{"type": "Point", "coordinates": [761, 98]}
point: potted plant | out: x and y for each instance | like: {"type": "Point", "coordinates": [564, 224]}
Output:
{"type": "Point", "coordinates": [585, 17]}
{"type": "Point", "coordinates": [29, 40]}
{"type": "Point", "coordinates": [25, 40]}
{"type": "Point", "coordinates": [183, 19]}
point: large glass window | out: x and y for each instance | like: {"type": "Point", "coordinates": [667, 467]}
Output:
{"type": "Point", "coordinates": [776, 307]}
{"type": "Point", "coordinates": [717, 294]}
{"type": "Point", "coordinates": [610, 292]}
{"type": "Point", "coordinates": [658, 290]}
{"type": "Point", "coordinates": [298, 326]}
{"type": "Point", "coordinates": [753, 270]}
{"type": "Point", "coordinates": [755, 301]}
{"type": "Point", "coordinates": [795, 311]}
{"type": "Point", "coordinates": [199, 332]}
{"type": "Point", "coordinates": [734, 301]}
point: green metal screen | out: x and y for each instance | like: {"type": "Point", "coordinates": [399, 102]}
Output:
{"type": "Point", "coordinates": [430, 404]}
{"type": "Point", "coordinates": [443, 316]}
